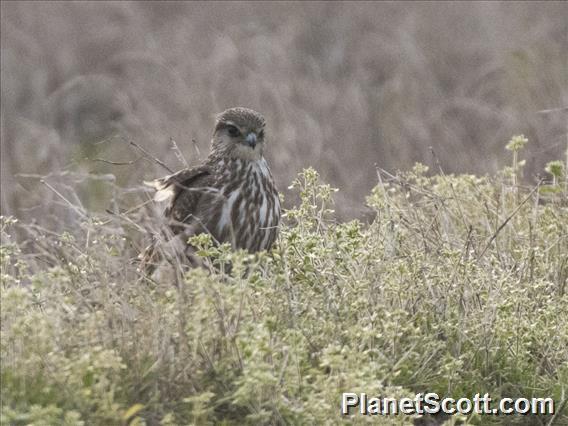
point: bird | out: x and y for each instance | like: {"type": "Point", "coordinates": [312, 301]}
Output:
{"type": "Point", "coordinates": [230, 196]}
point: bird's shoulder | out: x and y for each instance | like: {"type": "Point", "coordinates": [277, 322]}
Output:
{"type": "Point", "coordinates": [183, 190]}
{"type": "Point", "coordinates": [187, 176]}
{"type": "Point", "coordinates": [168, 187]}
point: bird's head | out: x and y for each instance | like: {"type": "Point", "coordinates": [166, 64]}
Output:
{"type": "Point", "coordinates": [239, 133]}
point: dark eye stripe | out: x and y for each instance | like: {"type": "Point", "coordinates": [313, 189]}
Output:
{"type": "Point", "coordinates": [233, 131]}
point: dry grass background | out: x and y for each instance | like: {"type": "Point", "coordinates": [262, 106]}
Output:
{"type": "Point", "coordinates": [344, 86]}
{"type": "Point", "coordinates": [457, 286]}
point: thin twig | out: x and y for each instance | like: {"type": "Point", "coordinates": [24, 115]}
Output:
{"type": "Point", "coordinates": [196, 147]}
{"type": "Point", "coordinates": [115, 163]}
{"type": "Point", "coordinates": [508, 219]}
{"type": "Point", "coordinates": [558, 412]}
{"type": "Point", "coordinates": [436, 160]}
{"type": "Point", "coordinates": [547, 111]}
{"type": "Point", "coordinates": [123, 214]}
{"type": "Point", "coordinates": [148, 155]}
{"type": "Point", "coordinates": [73, 206]}
{"type": "Point", "coordinates": [178, 153]}
{"type": "Point", "coordinates": [105, 140]}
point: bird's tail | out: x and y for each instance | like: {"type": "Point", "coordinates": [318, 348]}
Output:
{"type": "Point", "coordinates": [149, 259]}
{"type": "Point", "coordinates": [174, 252]}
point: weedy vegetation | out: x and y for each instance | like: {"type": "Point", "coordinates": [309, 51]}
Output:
{"type": "Point", "coordinates": [456, 285]}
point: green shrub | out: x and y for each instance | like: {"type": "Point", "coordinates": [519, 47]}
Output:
{"type": "Point", "coordinates": [456, 286]}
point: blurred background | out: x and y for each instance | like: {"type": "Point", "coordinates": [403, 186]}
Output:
{"type": "Point", "coordinates": [345, 87]}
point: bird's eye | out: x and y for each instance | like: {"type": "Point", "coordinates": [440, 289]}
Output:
{"type": "Point", "coordinates": [261, 134]}
{"type": "Point", "coordinates": [233, 131]}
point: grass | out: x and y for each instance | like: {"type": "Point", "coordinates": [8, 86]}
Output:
{"type": "Point", "coordinates": [456, 284]}
{"type": "Point", "coordinates": [343, 87]}
{"type": "Point", "coordinates": [450, 283]}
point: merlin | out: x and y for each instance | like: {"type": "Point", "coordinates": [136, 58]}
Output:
{"type": "Point", "coordinates": [231, 195]}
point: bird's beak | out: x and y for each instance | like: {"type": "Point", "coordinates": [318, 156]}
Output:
{"type": "Point", "coordinates": [251, 140]}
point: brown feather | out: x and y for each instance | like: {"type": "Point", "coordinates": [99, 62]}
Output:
{"type": "Point", "coordinates": [232, 195]}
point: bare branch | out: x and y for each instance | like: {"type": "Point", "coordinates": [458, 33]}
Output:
{"type": "Point", "coordinates": [196, 147]}
{"type": "Point", "coordinates": [508, 219]}
{"type": "Point", "coordinates": [115, 163]}
{"type": "Point", "coordinates": [178, 153]}
{"type": "Point", "coordinates": [56, 192]}
{"type": "Point", "coordinates": [148, 155]}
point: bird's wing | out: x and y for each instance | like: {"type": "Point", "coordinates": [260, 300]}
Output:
{"type": "Point", "coordinates": [182, 189]}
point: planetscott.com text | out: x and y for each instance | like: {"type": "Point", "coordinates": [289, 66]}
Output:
{"type": "Point", "coordinates": [432, 403]}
